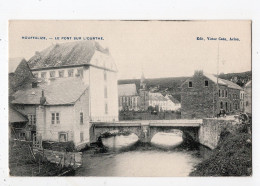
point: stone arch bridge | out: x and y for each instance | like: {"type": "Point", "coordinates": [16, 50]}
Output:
{"type": "Point", "coordinates": [145, 130]}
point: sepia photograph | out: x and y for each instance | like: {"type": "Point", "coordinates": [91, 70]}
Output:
{"type": "Point", "coordinates": [151, 98]}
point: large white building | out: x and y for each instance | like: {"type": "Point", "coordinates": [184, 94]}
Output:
{"type": "Point", "coordinates": [172, 103]}
{"type": "Point", "coordinates": [57, 69]}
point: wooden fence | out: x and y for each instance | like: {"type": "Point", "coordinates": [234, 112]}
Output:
{"type": "Point", "coordinates": [64, 159]}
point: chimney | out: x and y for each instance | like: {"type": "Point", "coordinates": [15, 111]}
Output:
{"type": "Point", "coordinates": [198, 72]}
{"type": "Point", "coordinates": [43, 98]}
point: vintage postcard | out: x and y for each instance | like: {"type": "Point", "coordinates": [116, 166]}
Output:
{"type": "Point", "coordinates": [130, 98]}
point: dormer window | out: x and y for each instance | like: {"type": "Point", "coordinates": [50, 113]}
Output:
{"type": "Point", "coordinates": [190, 84]}
{"type": "Point", "coordinates": [43, 75]}
{"type": "Point", "coordinates": [206, 83]}
{"type": "Point", "coordinates": [80, 72]}
{"type": "Point", "coordinates": [61, 73]}
{"type": "Point", "coordinates": [70, 72]}
{"type": "Point", "coordinates": [52, 74]}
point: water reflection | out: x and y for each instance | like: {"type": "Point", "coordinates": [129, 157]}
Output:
{"type": "Point", "coordinates": [119, 142]}
{"type": "Point", "coordinates": [128, 157]}
{"type": "Point", "coordinates": [167, 140]}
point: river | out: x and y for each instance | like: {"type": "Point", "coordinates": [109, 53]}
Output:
{"type": "Point", "coordinates": [166, 155]}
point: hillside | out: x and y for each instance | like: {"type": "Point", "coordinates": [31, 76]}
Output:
{"type": "Point", "coordinates": [172, 85]}
{"type": "Point", "coordinates": [239, 78]}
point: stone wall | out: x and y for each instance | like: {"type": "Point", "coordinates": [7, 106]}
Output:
{"type": "Point", "coordinates": [209, 132]}
{"type": "Point", "coordinates": [197, 101]}
{"type": "Point", "coordinates": [200, 101]}
{"type": "Point", "coordinates": [248, 98]}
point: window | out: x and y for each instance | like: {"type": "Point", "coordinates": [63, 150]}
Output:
{"type": "Point", "coordinates": [80, 72]}
{"type": "Point", "coordinates": [226, 94]}
{"type": "Point", "coordinates": [58, 118]}
{"type": "Point", "coordinates": [43, 75]}
{"type": "Point", "coordinates": [221, 105]}
{"type": "Point", "coordinates": [106, 108]}
{"type": "Point", "coordinates": [22, 136]}
{"type": "Point", "coordinates": [219, 95]}
{"type": "Point", "coordinates": [105, 75]}
{"type": "Point", "coordinates": [61, 73]}
{"type": "Point", "coordinates": [70, 72]}
{"type": "Point", "coordinates": [63, 137]}
{"type": "Point", "coordinates": [32, 119]}
{"type": "Point", "coordinates": [120, 101]}
{"type": "Point", "coordinates": [52, 74]}
{"type": "Point", "coordinates": [236, 106]}
{"type": "Point", "coordinates": [35, 75]}
{"type": "Point", "coordinates": [206, 83]}
{"type": "Point", "coordinates": [223, 93]}
{"type": "Point", "coordinates": [190, 84]}
{"type": "Point", "coordinates": [105, 92]}
{"type": "Point", "coordinates": [81, 136]}
{"type": "Point", "coordinates": [81, 118]}
{"type": "Point", "coordinates": [55, 118]}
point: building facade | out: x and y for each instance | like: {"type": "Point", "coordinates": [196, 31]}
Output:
{"type": "Point", "coordinates": [79, 81]}
{"type": "Point", "coordinates": [19, 127]}
{"type": "Point", "coordinates": [203, 95]}
{"type": "Point", "coordinates": [172, 103]}
{"type": "Point", "coordinates": [248, 97]}
{"type": "Point", "coordinates": [128, 97]}
{"type": "Point", "coordinates": [157, 100]}
{"type": "Point", "coordinates": [91, 63]}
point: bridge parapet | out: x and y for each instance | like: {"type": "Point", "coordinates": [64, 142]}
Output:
{"type": "Point", "coordinates": [146, 129]}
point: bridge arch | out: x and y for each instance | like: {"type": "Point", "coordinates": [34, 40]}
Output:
{"type": "Point", "coordinates": [98, 131]}
{"type": "Point", "coordinates": [190, 133]}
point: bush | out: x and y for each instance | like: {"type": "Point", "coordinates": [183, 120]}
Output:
{"type": "Point", "coordinates": [232, 157]}
{"type": "Point", "coordinates": [59, 146]}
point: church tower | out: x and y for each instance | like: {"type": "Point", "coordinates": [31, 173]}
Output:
{"type": "Point", "coordinates": [142, 82]}
{"type": "Point", "coordinates": [144, 95]}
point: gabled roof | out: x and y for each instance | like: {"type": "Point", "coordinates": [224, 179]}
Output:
{"type": "Point", "coordinates": [15, 116]}
{"type": "Point", "coordinates": [156, 97]}
{"type": "Point", "coordinates": [127, 90]}
{"type": "Point", "coordinates": [248, 84]}
{"type": "Point", "coordinates": [13, 64]}
{"type": "Point", "coordinates": [172, 99]}
{"type": "Point", "coordinates": [71, 54]}
{"type": "Point", "coordinates": [59, 91]}
{"type": "Point", "coordinates": [220, 81]}
{"type": "Point", "coordinates": [215, 79]}
{"type": "Point", "coordinates": [20, 76]}
{"type": "Point", "coordinates": [230, 84]}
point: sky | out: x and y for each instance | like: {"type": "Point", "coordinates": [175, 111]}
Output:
{"type": "Point", "coordinates": [156, 48]}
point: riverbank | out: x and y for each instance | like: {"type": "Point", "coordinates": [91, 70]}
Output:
{"type": "Point", "coordinates": [232, 157]}
{"type": "Point", "coordinates": [22, 162]}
